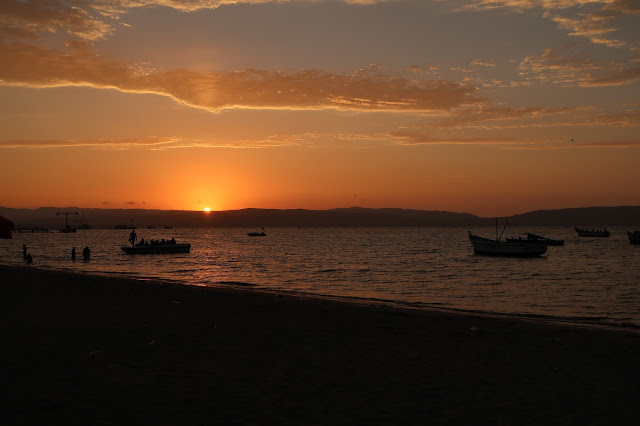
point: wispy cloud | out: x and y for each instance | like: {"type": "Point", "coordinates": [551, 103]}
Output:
{"type": "Point", "coordinates": [162, 144]}
{"type": "Point", "coordinates": [482, 115]}
{"type": "Point", "coordinates": [576, 70]}
{"type": "Point", "coordinates": [592, 26]}
{"type": "Point", "coordinates": [483, 63]}
{"type": "Point", "coordinates": [126, 203]}
{"type": "Point", "coordinates": [101, 143]}
{"type": "Point", "coordinates": [571, 145]}
{"type": "Point", "coordinates": [25, 64]}
{"type": "Point", "coordinates": [414, 138]}
{"type": "Point", "coordinates": [592, 19]}
{"type": "Point", "coordinates": [492, 118]}
{"type": "Point", "coordinates": [32, 18]}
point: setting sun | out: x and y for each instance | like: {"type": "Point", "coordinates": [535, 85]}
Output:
{"type": "Point", "coordinates": [433, 113]}
{"type": "Point", "coordinates": [207, 209]}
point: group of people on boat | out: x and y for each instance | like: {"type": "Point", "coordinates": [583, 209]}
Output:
{"type": "Point", "coordinates": [133, 237]}
{"type": "Point", "coordinates": [156, 242]}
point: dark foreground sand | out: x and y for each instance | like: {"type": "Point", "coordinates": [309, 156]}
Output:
{"type": "Point", "coordinates": [90, 350]}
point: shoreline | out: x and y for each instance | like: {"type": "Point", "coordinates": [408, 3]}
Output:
{"type": "Point", "coordinates": [117, 350]}
{"type": "Point", "coordinates": [586, 322]}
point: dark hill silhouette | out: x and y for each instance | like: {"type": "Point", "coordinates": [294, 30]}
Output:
{"type": "Point", "coordinates": [588, 216]}
{"type": "Point", "coordinates": [354, 216]}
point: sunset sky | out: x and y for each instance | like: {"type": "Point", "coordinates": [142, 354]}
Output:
{"type": "Point", "coordinates": [492, 107]}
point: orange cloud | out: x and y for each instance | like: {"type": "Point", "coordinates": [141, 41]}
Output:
{"type": "Point", "coordinates": [466, 117]}
{"type": "Point", "coordinates": [103, 143]}
{"type": "Point", "coordinates": [28, 19]}
{"type": "Point", "coordinates": [24, 64]}
{"type": "Point", "coordinates": [576, 70]}
{"type": "Point", "coordinates": [591, 145]}
{"type": "Point", "coordinates": [308, 140]}
{"type": "Point", "coordinates": [592, 25]}
{"type": "Point", "coordinates": [627, 7]}
{"type": "Point", "coordinates": [411, 138]}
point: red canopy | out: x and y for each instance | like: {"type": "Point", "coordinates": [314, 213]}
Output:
{"type": "Point", "coordinates": [6, 226]}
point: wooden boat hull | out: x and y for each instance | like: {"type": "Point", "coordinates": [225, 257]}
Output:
{"type": "Point", "coordinates": [516, 248]}
{"type": "Point", "coordinates": [587, 233]}
{"type": "Point", "coordinates": [159, 249]}
{"type": "Point", "coordinates": [634, 237]}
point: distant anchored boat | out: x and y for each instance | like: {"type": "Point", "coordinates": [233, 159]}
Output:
{"type": "Point", "coordinates": [511, 248]}
{"type": "Point", "coordinates": [592, 232]}
{"type": "Point", "coordinates": [537, 238]}
{"type": "Point", "coordinates": [634, 237]}
{"type": "Point", "coordinates": [256, 234]}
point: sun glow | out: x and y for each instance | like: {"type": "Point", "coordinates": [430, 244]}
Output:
{"type": "Point", "coordinates": [206, 210]}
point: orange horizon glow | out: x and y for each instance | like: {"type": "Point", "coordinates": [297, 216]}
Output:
{"type": "Point", "coordinates": [187, 107]}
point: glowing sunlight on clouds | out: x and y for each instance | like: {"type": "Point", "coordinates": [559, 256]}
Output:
{"type": "Point", "coordinates": [278, 102]}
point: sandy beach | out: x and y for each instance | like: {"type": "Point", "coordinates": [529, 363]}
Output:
{"type": "Point", "coordinates": [97, 350]}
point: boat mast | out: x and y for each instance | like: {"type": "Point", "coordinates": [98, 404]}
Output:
{"type": "Point", "coordinates": [503, 229]}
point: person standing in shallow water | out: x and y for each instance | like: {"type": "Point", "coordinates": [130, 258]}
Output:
{"type": "Point", "coordinates": [73, 253]}
{"type": "Point", "coordinates": [24, 251]}
{"type": "Point", "coordinates": [86, 253]}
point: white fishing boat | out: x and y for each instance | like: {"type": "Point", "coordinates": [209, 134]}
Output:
{"type": "Point", "coordinates": [510, 247]}
{"type": "Point", "coordinates": [513, 248]}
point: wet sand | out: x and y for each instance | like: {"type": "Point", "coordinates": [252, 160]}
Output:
{"type": "Point", "coordinates": [96, 350]}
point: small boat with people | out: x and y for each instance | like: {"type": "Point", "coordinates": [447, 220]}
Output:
{"type": "Point", "coordinates": [510, 247]}
{"type": "Point", "coordinates": [634, 237]}
{"type": "Point", "coordinates": [155, 246]}
{"type": "Point", "coordinates": [158, 249]}
{"type": "Point", "coordinates": [537, 238]}
{"type": "Point", "coordinates": [593, 232]}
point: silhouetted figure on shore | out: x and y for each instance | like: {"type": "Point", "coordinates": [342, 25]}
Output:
{"type": "Point", "coordinates": [28, 258]}
{"type": "Point", "coordinates": [73, 253]}
{"type": "Point", "coordinates": [133, 237]}
{"type": "Point", "coordinates": [86, 253]}
{"type": "Point", "coordinates": [24, 252]}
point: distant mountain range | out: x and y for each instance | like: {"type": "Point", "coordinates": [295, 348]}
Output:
{"type": "Point", "coordinates": [47, 217]}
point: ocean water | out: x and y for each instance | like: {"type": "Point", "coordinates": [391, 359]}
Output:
{"type": "Point", "coordinates": [589, 280]}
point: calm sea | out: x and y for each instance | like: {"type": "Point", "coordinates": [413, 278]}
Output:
{"type": "Point", "coordinates": [589, 280]}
